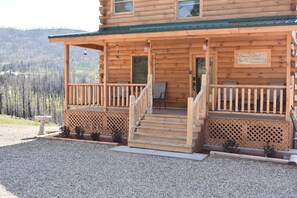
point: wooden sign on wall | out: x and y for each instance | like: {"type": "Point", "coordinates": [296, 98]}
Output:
{"type": "Point", "coordinates": [252, 58]}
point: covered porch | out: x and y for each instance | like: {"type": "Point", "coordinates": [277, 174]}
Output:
{"type": "Point", "coordinates": [233, 71]}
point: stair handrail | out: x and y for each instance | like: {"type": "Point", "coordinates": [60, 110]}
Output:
{"type": "Point", "coordinates": [196, 110]}
{"type": "Point", "coordinates": [138, 107]}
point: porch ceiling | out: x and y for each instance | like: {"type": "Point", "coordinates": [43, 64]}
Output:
{"type": "Point", "coordinates": [90, 46]}
{"type": "Point", "coordinates": [196, 28]}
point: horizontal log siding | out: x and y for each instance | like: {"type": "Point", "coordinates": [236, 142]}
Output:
{"type": "Point", "coordinates": [119, 69]}
{"type": "Point", "coordinates": [164, 11]}
{"type": "Point", "coordinates": [172, 62]}
{"type": "Point", "coordinates": [250, 76]}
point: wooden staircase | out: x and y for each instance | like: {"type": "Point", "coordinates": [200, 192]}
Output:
{"type": "Point", "coordinates": [163, 132]}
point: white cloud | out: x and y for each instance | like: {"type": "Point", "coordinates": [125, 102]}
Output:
{"type": "Point", "coordinates": [28, 14]}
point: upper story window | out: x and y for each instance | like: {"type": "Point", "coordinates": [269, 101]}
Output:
{"type": "Point", "coordinates": [188, 8]}
{"type": "Point", "coordinates": [122, 6]}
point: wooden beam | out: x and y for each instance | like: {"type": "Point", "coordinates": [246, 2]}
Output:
{"type": "Point", "coordinates": [207, 66]}
{"type": "Point", "coordinates": [288, 77]}
{"type": "Point", "coordinates": [66, 76]}
{"type": "Point", "coordinates": [90, 46]}
{"type": "Point", "coordinates": [150, 65]}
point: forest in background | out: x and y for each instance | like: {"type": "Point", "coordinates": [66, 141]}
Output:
{"type": "Point", "coordinates": [32, 72]}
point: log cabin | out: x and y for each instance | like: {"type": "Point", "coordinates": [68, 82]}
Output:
{"type": "Point", "coordinates": [228, 67]}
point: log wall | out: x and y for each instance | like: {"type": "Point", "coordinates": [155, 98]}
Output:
{"type": "Point", "coordinates": [248, 76]}
{"type": "Point", "coordinates": [171, 62]}
{"type": "Point", "coordinates": [164, 11]}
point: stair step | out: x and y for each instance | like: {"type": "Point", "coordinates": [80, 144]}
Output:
{"type": "Point", "coordinates": [159, 145]}
{"type": "Point", "coordinates": [181, 139]}
{"type": "Point", "coordinates": [160, 123]}
{"type": "Point", "coordinates": [161, 130]}
{"type": "Point", "coordinates": [172, 118]}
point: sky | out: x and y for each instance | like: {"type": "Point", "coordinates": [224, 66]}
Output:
{"type": "Point", "coordinates": [31, 14]}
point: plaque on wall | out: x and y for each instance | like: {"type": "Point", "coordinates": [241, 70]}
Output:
{"type": "Point", "coordinates": [252, 58]}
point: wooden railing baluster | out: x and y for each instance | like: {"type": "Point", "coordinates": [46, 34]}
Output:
{"type": "Point", "coordinates": [252, 99]}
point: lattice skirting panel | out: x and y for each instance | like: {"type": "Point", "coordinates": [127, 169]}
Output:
{"type": "Point", "coordinates": [249, 133]}
{"type": "Point", "coordinates": [94, 121]}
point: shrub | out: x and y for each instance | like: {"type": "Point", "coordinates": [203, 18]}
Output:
{"type": "Point", "coordinates": [269, 150]}
{"type": "Point", "coordinates": [230, 146]}
{"type": "Point", "coordinates": [95, 136]}
{"type": "Point", "coordinates": [116, 135]}
{"type": "Point", "coordinates": [65, 131]}
{"type": "Point", "coordinates": [79, 132]}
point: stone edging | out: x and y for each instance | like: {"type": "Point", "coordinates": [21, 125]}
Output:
{"type": "Point", "coordinates": [250, 157]}
{"type": "Point", "coordinates": [51, 137]}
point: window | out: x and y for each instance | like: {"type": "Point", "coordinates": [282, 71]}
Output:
{"type": "Point", "coordinates": [139, 69]}
{"type": "Point", "coordinates": [188, 8]}
{"type": "Point", "coordinates": [122, 6]}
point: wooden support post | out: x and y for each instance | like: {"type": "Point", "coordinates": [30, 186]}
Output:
{"type": "Point", "coordinates": [190, 122]}
{"type": "Point", "coordinates": [150, 79]}
{"type": "Point", "coordinates": [105, 79]}
{"type": "Point", "coordinates": [207, 66]}
{"type": "Point", "coordinates": [66, 75]}
{"type": "Point", "coordinates": [150, 64]}
{"type": "Point", "coordinates": [132, 117]}
{"type": "Point", "coordinates": [288, 78]}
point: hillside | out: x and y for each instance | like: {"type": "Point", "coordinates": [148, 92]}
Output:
{"type": "Point", "coordinates": [23, 50]}
{"type": "Point", "coordinates": [31, 72]}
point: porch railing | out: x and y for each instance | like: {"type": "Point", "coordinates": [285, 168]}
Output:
{"type": "Point", "coordinates": [139, 106]}
{"type": "Point", "coordinates": [81, 94]}
{"type": "Point", "coordinates": [118, 94]}
{"type": "Point", "coordinates": [248, 99]}
{"type": "Point", "coordinates": [196, 111]}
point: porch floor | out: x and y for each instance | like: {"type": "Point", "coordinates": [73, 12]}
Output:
{"type": "Point", "coordinates": [179, 112]}
{"type": "Point", "coordinates": [183, 112]}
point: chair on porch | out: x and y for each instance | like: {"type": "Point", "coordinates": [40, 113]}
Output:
{"type": "Point", "coordinates": [294, 121]}
{"type": "Point", "coordinates": [159, 90]}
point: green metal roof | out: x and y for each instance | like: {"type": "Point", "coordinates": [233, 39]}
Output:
{"type": "Point", "coordinates": [193, 25]}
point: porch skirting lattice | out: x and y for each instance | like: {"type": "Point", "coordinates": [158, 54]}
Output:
{"type": "Point", "coordinates": [96, 121]}
{"type": "Point", "coordinates": [249, 133]}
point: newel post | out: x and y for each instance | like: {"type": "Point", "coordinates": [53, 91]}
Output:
{"type": "Point", "coordinates": [150, 91]}
{"type": "Point", "coordinates": [132, 117]}
{"type": "Point", "coordinates": [203, 86]}
{"type": "Point", "coordinates": [190, 122]}
{"type": "Point", "coordinates": [292, 88]}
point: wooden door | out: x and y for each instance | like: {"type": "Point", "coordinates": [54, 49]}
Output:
{"type": "Point", "coordinates": [198, 69]}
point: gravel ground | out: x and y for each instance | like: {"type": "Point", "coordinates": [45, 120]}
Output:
{"type": "Point", "coordinates": [48, 168]}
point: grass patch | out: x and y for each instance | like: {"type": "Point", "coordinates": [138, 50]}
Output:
{"type": "Point", "coordinates": [5, 119]}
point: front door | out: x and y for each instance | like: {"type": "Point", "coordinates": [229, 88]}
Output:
{"type": "Point", "coordinates": [199, 68]}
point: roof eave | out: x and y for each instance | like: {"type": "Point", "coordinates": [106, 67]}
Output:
{"type": "Point", "coordinates": [84, 39]}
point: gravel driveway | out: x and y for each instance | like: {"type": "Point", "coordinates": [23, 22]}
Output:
{"type": "Point", "coordinates": [48, 168]}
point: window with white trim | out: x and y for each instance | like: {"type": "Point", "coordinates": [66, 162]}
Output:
{"type": "Point", "coordinates": [188, 8]}
{"type": "Point", "coordinates": [122, 6]}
